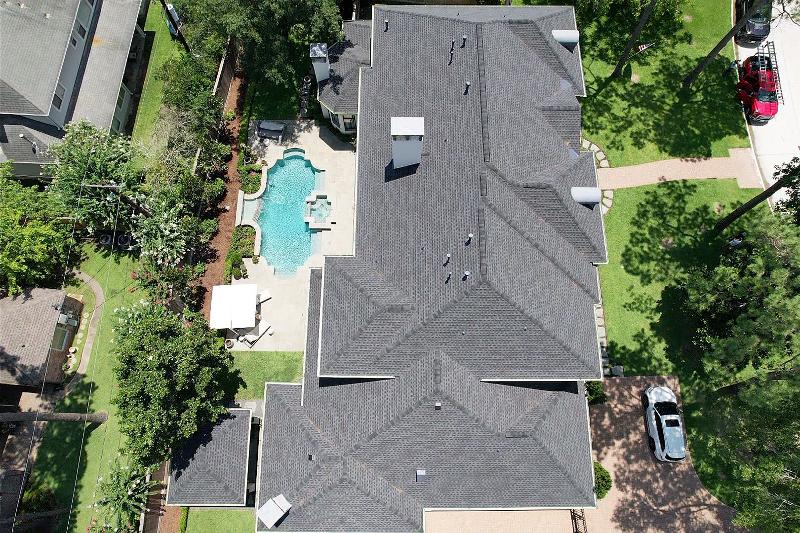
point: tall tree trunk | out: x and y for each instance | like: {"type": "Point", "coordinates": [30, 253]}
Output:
{"type": "Point", "coordinates": [775, 375]}
{"type": "Point", "coordinates": [646, 12]}
{"type": "Point", "coordinates": [31, 416]}
{"type": "Point", "coordinates": [737, 213]}
{"type": "Point", "coordinates": [692, 77]}
{"type": "Point", "coordinates": [178, 31]}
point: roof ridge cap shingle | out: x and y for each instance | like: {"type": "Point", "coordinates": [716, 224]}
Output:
{"type": "Point", "coordinates": [534, 435]}
{"type": "Point", "coordinates": [539, 324]}
{"type": "Point", "coordinates": [536, 245]}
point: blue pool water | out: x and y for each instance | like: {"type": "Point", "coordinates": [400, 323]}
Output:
{"type": "Point", "coordinates": [285, 237]}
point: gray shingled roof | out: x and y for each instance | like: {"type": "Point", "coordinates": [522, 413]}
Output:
{"type": "Point", "coordinates": [340, 92]}
{"type": "Point", "coordinates": [499, 163]}
{"type": "Point", "coordinates": [33, 41]}
{"type": "Point", "coordinates": [211, 468]}
{"type": "Point", "coordinates": [20, 150]}
{"type": "Point", "coordinates": [27, 325]}
{"type": "Point", "coordinates": [490, 445]}
{"type": "Point", "coordinates": [108, 54]}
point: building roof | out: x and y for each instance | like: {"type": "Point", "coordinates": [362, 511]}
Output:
{"type": "Point", "coordinates": [453, 340]}
{"type": "Point", "coordinates": [339, 92]}
{"type": "Point", "coordinates": [33, 41]}
{"type": "Point", "coordinates": [27, 325]}
{"type": "Point", "coordinates": [498, 162]}
{"type": "Point", "coordinates": [211, 468]}
{"type": "Point", "coordinates": [105, 65]}
{"type": "Point", "coordinates": [20, 149]}
{"type": "Point", "coordinates": [347, 457]}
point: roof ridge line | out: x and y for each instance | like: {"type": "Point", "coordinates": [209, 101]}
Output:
{"type": "Point", "coordinates": [539, 324]}
{"type": "Point", "coordinates": [330, 480]}
{"type": "Point", "coordinates": [564, 71]}
{"type": "Point", "coordinates": [533, 243]}
{"type": "Point", "coordinates": [552, 456]}
{"type": "Point", "coordinates": [319, 437]}
{"type": "Point", "coordinates": [349, 461]}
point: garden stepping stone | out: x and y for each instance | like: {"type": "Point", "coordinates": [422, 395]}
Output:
{"type": "Point", "coordinates": [604, 163]}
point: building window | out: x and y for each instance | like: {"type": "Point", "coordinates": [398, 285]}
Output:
{"type": "Point", "coordinates": [73, 41]}
{"type": "Point", "coordinates": [115, 125]}
{"type": "Point", "coordinates": [58, 97]}
{"type": "Point", "coordinates": [349, 122]}
{"type": "Point", "coordinates": [120, 98]}
{"type": "Point", "coordinates": [81, 31]}
{"type": "Point", "coordinates": [90, 2]}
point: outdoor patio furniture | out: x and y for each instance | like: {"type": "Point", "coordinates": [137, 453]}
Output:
{"type": "Point", "coordinates": [264, 296]}
{"type": "Point", "coordinates": [270, 129]}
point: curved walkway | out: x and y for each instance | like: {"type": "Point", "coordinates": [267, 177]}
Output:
{"type": "Point", "coordinates": [740, 164]}
{"type": "Point", "coordinates": [91, 333]}
{"type": "Point", "coordinates": [647, 495]}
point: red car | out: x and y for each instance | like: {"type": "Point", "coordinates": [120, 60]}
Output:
{"type": "Point", "coordinates": [758, 89]}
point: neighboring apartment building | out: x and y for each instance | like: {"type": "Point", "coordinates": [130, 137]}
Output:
{"type": "Point", "coordinates": [63, 60]}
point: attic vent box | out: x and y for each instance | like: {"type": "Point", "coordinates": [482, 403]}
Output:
{"type": "Point", "coordinates": [421, 475]}
{"type": "Point", "coordinates": [407, 135]}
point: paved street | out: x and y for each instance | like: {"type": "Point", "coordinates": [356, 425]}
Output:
{"type": "Point", "coordinates": [779, 140]}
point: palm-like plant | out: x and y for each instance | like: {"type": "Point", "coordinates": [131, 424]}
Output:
{"type": "Point", "coordinates": [124, 497]}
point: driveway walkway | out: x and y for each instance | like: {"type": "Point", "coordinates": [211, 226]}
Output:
{"type": "Point", "coordinates": [739, 164]}
{"type": "Point", "coordinates": [778, 141]}
{"type": "Point", "coordinates": [647, 495]}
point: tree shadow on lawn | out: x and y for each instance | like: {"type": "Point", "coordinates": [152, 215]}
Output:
{"type": "Point", "coordinates": [682, 124]}
{"type": "Point", "coordinates": [62, 446]}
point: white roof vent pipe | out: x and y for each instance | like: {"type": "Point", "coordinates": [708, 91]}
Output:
{"type": "Point", "coordinates": [407, 136]}
{"type": "Point", "coordinates": [567, 38]}
{"type": "Point", "coordinates": [588, 196]}
{"type": "Point", "coordinates": [319, 59]}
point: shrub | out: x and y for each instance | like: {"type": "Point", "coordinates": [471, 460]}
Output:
{"type": "Point", "coordinates": [184, 520]}
{"type": "Point", "coordinates": [602, 481]}
{"type": "Point", "coordinates": [595, 392]}
{"type": "Point", "coordinates": [38, 498]}
{"type": "Point", "coordinates": [250, 180]}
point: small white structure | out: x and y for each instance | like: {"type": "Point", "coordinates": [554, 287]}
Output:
{"type": "Point", "coordinates": [567, 38]}
{"type": "Point", "coordinates": [407, 136]}
{"type": "Point", "coordinates": [233, 306]}
{"type": "Point", "coordinates": [319, 59]}
{"type": "Point", "coordinates": [273, 511]}
{"type": "Point", "coordinates": [586, 195]}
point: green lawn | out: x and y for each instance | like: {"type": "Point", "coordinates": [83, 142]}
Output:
{"type": "Point", "coordinates": [648, 120]}
{"type": "Point", "coordinates": [652, 244]}
{"type": "Point", "coordinates": [58, 461]}
{"type": "Point", "coordinates": [256, 368]}
{"type": "Point", "coordinates": [217, 520]}
{"type": "Point", "coordinates": [162, 48]}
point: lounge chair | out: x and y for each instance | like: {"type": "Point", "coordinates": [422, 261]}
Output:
{"type": "Point", "coordinates": [264, 296]}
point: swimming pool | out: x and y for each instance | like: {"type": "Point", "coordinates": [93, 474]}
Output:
{"type": "Point", "coordinates": [285, 236]}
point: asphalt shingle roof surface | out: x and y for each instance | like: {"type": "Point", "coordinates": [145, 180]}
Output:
{"type": "Point", "coordinates": [489, 445]}
{"type": "Point", "coordinates": [391, 334]}
{"type": "Point", "coordinates": [33, 41]}
{"type": "Point", "coordinates": [27, 325]}
{"type": "Point", "coordinates": [211, 468]}
{"type": "Point", "coordinates": [340, 92]}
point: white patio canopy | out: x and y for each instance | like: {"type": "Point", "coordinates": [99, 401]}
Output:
{"type": "Point", "coordinates": [233, 306]}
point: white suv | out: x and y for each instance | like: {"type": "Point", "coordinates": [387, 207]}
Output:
{"type": "Point", "coordinates": [664, 424]}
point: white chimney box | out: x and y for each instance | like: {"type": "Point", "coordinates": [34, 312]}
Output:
{"type": "Point", "coordinates": [407, 135]}
{"type": "Point", "coordinates": [318, 53]}
{"type": "Point", "coordinates": [567, 38]}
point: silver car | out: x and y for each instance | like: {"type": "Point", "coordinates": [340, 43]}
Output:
{"type": "Point", "coordinates": [664, 424]}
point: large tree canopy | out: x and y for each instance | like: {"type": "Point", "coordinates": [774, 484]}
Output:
{"type": "Point", "coordinates": [172, 378]}
{"type": "Point", "coordinates": [96, 176]}
{"type": "Point", "coordinates": [34, 237]}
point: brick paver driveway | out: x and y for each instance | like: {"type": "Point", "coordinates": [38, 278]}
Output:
{"type": "Point", "coordinates": [647, 495]}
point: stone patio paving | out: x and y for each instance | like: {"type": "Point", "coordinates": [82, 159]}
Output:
{"type": "Point", "coordinates": [287, 310]}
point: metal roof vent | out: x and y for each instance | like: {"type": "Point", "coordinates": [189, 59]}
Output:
{"type": "Point", "coordinates": [385, 24]}
{"type": "Point", "coordinates": [421, 475]}
{"type": "Point", "coordinates": [567, 38]}
{"type": "Point", "coordinates": [407, 134]}
{"type": "Point", "coordinates": [438, 406]}
{"type": "Point", "coordinates": [588, 196]}
{"type": "Point", "coordinates": [463, 41]}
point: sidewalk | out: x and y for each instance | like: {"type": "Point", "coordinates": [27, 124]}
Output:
{"type": "Point", "coordinates": [739, 164]}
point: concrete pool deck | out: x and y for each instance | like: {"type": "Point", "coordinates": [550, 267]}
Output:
{"type": "Point", "coordinates": [287, 310]}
